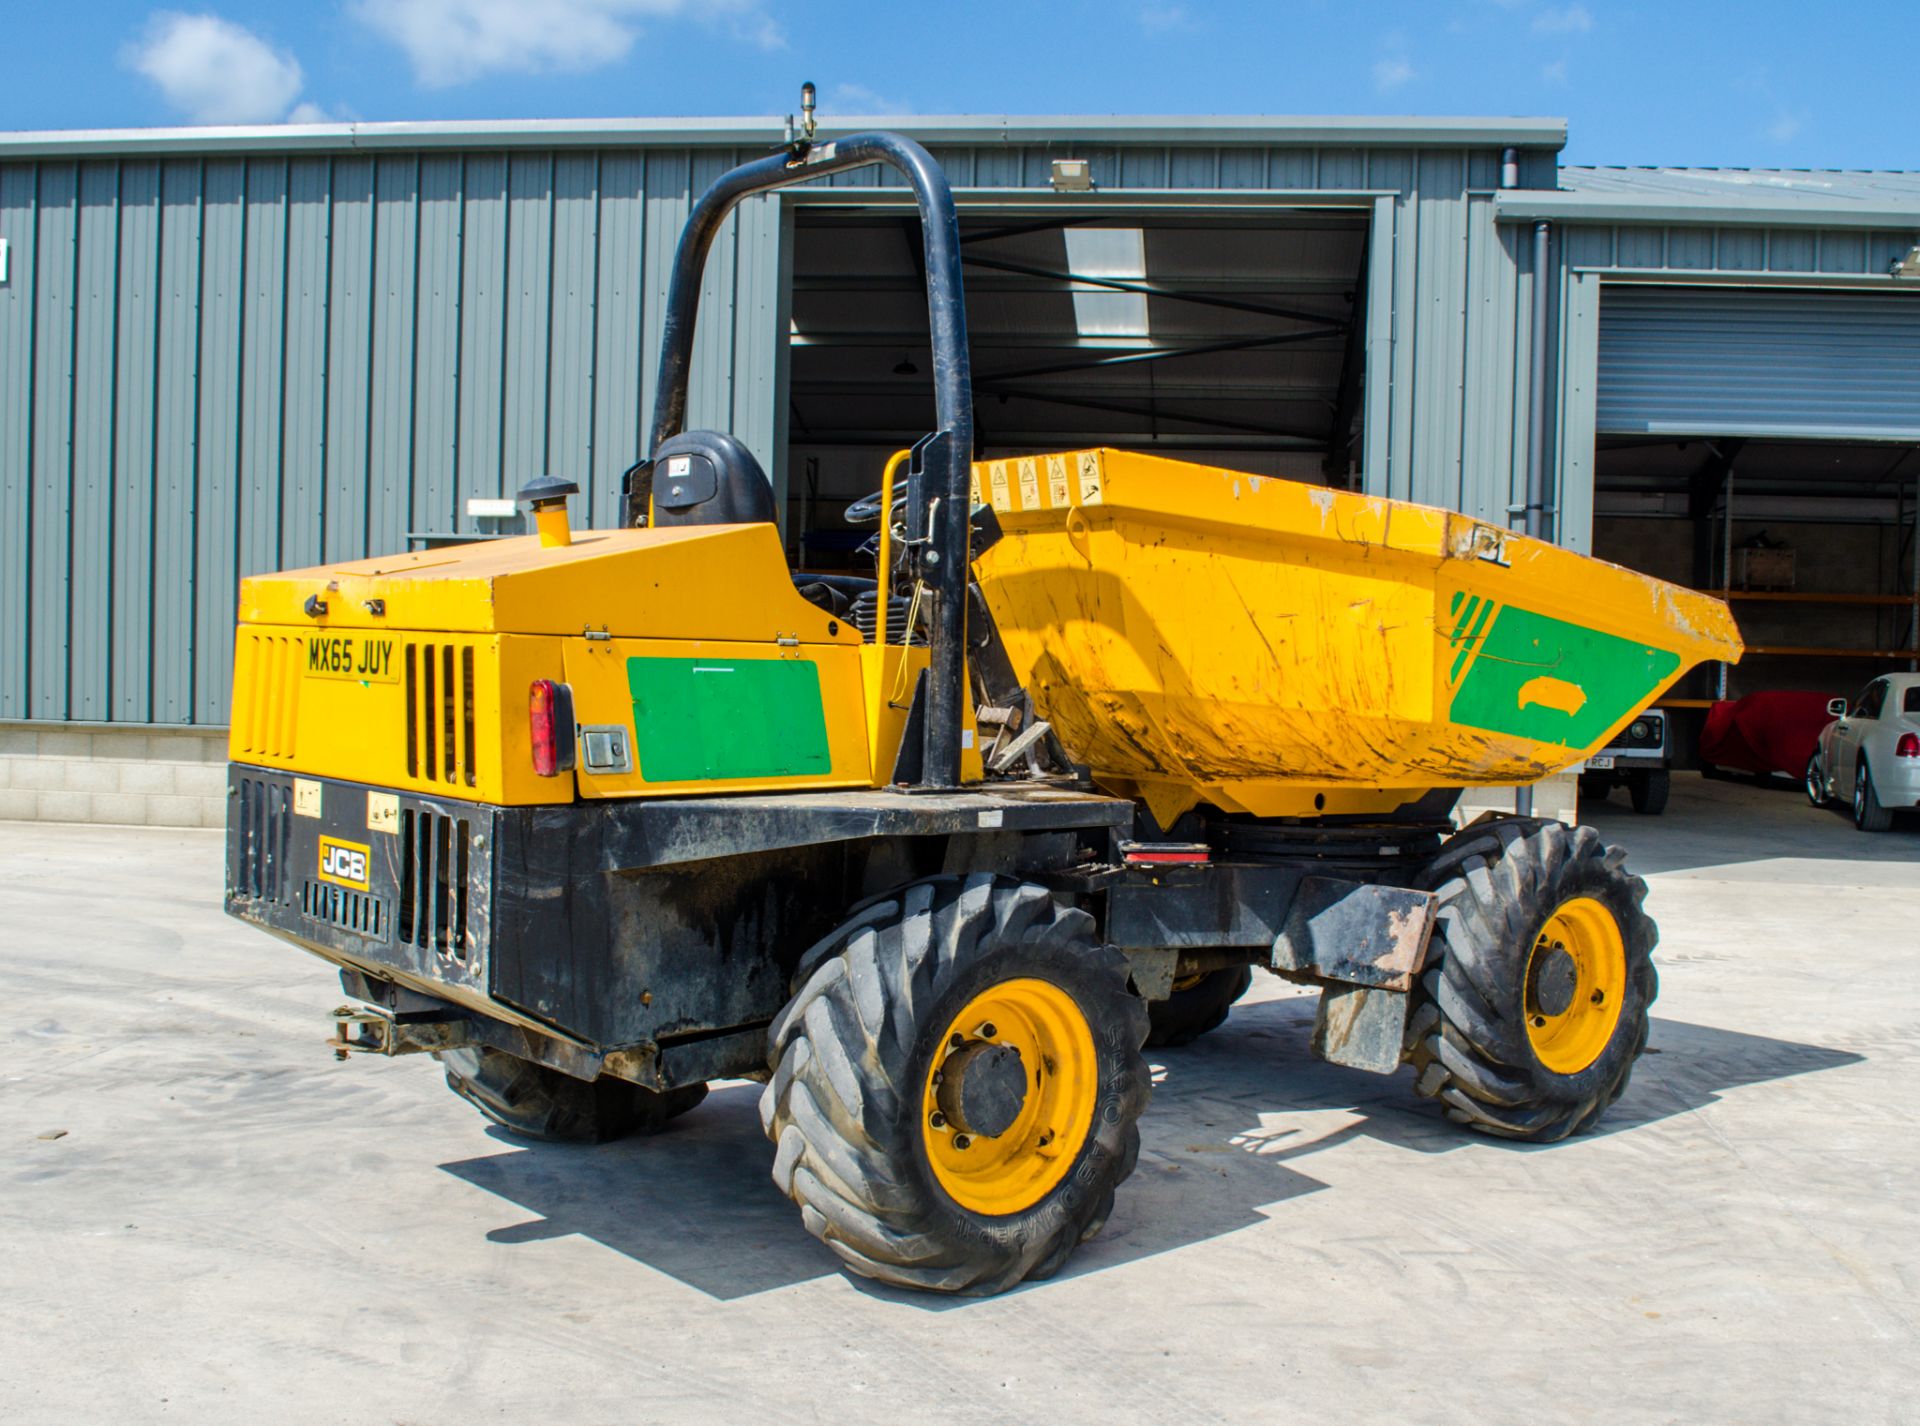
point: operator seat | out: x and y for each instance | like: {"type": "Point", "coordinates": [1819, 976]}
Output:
{"type": "Point", "coordinates": [709, 478]}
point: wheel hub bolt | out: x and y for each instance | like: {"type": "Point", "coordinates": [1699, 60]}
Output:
{"type": "Point", "coordinates": [961, 1141]}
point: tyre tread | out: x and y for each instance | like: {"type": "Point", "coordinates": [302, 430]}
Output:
{"type": "Point", "coordinates": [843, 1114]}
{"type": "Point", "coordinates": [1495, 880]}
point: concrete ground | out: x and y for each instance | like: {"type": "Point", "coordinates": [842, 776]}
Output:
{"type": "Point", "coordinates": [232, 1227]}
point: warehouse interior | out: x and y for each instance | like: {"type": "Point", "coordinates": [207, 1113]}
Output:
{"type": "Point", "coordinates": [1228, 337]}
{"type": "Point", "coordinates": [1817, 559]}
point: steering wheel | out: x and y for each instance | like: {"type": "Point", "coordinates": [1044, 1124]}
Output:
{"type": "Point", "coordinates": [866, 510]}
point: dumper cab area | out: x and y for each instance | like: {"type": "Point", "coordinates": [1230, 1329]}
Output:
{"type": "Point", "coordinates": [598, 817]}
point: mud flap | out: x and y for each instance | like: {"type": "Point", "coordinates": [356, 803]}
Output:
{"type": "Point", "coordinates": [1362, 1027]}
{"type": "Point", "coordinates": [1369, 942]}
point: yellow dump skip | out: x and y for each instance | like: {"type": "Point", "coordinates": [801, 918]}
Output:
{"type": "Point", "coordinates": [1270, 647]}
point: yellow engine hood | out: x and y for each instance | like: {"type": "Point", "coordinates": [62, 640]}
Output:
{"type": "Point", "coordinates": [725, 582]}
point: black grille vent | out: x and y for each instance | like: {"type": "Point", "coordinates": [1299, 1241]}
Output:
{"type": "Point", "coordinates": [265, 820]}
{"type": "Point", "coordinates": [440, 732]}
{"type": "Point", "coordinates": [354, 911]}
{"type": "Point", "coordinates": [433, 881]}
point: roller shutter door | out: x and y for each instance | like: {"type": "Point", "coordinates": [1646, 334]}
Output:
{"type": "Point", "coordinates": [1715, 361]}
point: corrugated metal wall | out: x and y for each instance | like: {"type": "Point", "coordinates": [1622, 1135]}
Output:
{"type": "Point", "coordinates": [1845, 252]}
{"type": "Point", "coordinates": [212, 366]}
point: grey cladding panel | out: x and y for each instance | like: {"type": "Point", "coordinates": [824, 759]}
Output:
{"type": "Point", "coordinates": [52, 467]}
{"type": "Point", "coordinates": [90, 589]}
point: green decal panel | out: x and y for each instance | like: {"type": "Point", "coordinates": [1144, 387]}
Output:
{"type": "Point", "coordinates": [697, 720]}
{"type": "Point", "coordinates": [1545, 679]}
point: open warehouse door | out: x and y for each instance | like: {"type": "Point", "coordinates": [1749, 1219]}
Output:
{"type": "Point", "coordinates": [1764, 444]}
{"type": "Point", "coordinates": [1229, 337]}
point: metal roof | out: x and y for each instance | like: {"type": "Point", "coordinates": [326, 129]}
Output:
{"type": "Point", "coordinates": [1770, 196]}
{"type": "Point", "coordinates": [1378, 130]}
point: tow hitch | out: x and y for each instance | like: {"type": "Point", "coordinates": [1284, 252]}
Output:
{"type": "Point", "coordinates": [373, 1031]}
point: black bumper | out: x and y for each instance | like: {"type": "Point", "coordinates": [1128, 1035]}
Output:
{"type": "Point", "coordinates": [629, 927]}
{"type": "Point", "coordinates": [422, 904]}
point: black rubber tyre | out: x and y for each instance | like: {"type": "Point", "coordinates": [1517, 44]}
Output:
{"type": "Point", "coordinates": [1868, 814]}
{"type": "Point", "coordinates": [1649, 790]}
{"type": "Point", "coordinates": [1186, 1015]}
{"type": "Point", "coordinates": [542, 1103]}
{"type": "Point", "coordinates": [1816, 782]}
{"type": "Point", "coordinates": [1499, 881]}
{"type": "Point", "coordinates": [851, 1054]}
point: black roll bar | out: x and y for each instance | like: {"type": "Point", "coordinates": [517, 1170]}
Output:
{"type": "Point", "coordinates": [940, 480]}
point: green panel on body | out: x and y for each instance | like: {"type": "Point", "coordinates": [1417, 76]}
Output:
{"type": "Point", "coordinates": [1545, 679]}
{"type": "Point", "coordinates": [696, 720]}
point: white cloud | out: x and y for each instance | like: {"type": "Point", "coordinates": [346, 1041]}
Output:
{"type": "Point", "coordinates": [454, 41]}
{"type": "Point", "coordinates": [1160, 19]}
{"type": "Point", "coordinates": [856, 100]}
{"type": "Point", "coordinates": [307, 112]}
{"type": "Point", "coordinates": [1572, 20]}
{"type": "Point", "coordinates": [1390, 74]}
{"type": "Point", "coordinates": [214, 71]}
{"type": "Point", "coordinates": [1786, 127]}
{"type": "Point", "coordinates": [1555, 73]}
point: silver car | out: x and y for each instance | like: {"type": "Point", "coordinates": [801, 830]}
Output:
{"type": "Point", "coordinates": [1870, 753]}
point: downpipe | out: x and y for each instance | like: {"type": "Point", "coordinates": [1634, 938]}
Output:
{"type": "Point", "coordinates": [1538, 524]}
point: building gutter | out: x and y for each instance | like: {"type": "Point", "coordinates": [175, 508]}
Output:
{"type": "Point", "coordinates": [1538, 205]}
{"type": "Point", "coordinates": [767, 131]}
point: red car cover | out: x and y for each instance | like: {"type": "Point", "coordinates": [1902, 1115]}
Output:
{"type": "Point", "coordinates": [1765, 732]}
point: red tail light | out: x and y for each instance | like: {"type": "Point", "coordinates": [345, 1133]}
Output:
{"type": "Point", "coordinates": [1908, 746]}
{"type": "Point", "coordinates": [550, 720]}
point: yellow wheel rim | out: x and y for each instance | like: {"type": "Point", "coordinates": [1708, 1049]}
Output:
{"type": "Point", "coordinates": [1011, 1171]}
{"type": "Point", "coordinates": [1576, 982]}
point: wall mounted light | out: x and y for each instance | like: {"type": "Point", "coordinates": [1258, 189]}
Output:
{"type": "Point", "coordinates": [1072, 175]}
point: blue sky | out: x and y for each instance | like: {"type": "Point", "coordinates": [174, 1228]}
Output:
{"type": "Point", "coordinates": [1764, 83]}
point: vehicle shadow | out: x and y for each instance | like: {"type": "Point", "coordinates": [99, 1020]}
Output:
{"type": "Point", "coordinates": [1236, 1119]}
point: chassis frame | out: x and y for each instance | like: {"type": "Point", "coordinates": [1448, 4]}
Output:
{"type": "Point", "coordinates": [654, 940]}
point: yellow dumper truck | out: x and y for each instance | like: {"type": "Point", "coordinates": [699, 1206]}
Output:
{"type": "Point", "coordinates": [598, 817]}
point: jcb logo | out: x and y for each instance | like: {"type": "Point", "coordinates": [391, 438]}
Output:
{"type": "Point", "coordinates": [343, 863]}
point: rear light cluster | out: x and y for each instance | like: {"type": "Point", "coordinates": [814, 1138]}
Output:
{"type": "Point", "coordinates": [550, 720]}
{"type": "Point", "coordinates": [1908, 746]}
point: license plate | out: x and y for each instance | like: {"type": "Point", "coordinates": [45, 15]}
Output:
{"type": "Point", "coordinates": [1600, 764]}
{"type": "Point", "coordinates": [359, 658]}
